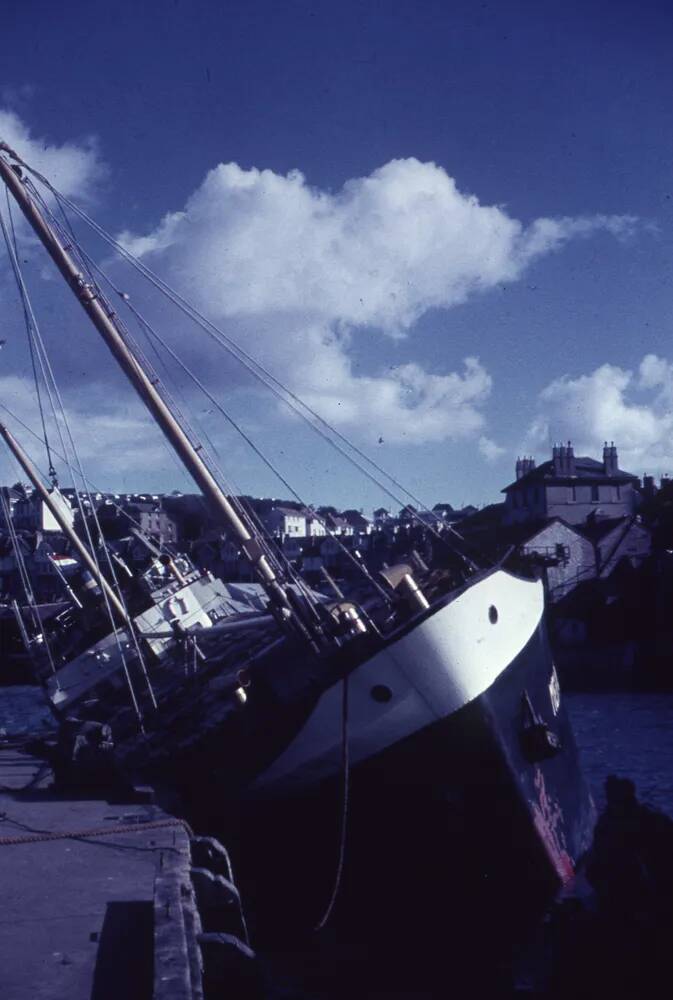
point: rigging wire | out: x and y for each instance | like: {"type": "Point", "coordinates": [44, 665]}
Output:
{"type": "Point", "coordinates": [72, 243]}
{"type": "Point", "coordinates": [144, 363]}
{"type": "Point", "coordinates": [31, 345]}
{"type": "Point", "coordinates": [260, 454]}
{"type": "Point", "coordinates": [161, 545]}
{"type": "Point", "coordinates": [75, 247]}
{"type": "Point", "coordinates": [31, 321]}
{"type": "Point", "coordinates": [51, 381]}
{"type": "Point", "coordinates": [26, 583]}
{"type": "Point", "coordinates": [132, 344]}
{"type": "Point", "coordinates": [290, 399]}
{"type": "Point", "coordinates": [243, 509]}
{"type": "Point", "coordinates": [254, 367]}
{"type": "Point", "coordinates": [152, 335]}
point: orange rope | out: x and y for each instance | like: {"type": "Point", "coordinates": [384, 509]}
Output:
{"type": "Point", "coordinates": [98, 832]}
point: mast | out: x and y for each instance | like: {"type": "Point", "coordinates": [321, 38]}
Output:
{"type": "Point", "coordinates": [65, 526]}
{"type": "Point", "coordinates": [103, 320]}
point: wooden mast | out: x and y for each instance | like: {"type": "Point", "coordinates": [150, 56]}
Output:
{"type": "Point", "coordinates": [103, 320]}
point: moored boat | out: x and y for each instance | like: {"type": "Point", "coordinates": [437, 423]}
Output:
{"type": "Point", "coordinates": [435, 705]}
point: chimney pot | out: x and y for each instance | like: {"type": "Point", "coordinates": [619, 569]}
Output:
{"type": "Point", "coordinates": [571, 468]}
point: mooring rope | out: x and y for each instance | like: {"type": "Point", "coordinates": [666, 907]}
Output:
{"type": "Point", "coordinates": [35, 838]}
{"type": "Point", "coordinates": [345, 801]}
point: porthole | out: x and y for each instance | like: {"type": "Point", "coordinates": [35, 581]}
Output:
{"type": "Point", "coordinates": [381, 693]}
{"type": "Point", "coordinates": [493, 614]}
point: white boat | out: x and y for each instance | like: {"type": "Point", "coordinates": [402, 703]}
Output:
{"type": "Point", "coordinates": [443, 686]}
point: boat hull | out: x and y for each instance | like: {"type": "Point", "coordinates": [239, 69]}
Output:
{"type": "Point", "coordinates": [432, 669]}
{"type": "Point", "coordinates": [447, 794]}
{"type": "Point", "coordinates": [463, 807]}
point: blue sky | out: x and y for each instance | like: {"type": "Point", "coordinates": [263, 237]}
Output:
{"type": "Point", "coordinates": [369, 298]}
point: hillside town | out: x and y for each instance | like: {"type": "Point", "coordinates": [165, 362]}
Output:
{"type": "Point", "coordinates": [599, 537]}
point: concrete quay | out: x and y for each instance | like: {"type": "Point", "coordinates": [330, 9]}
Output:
{"type": "Point", "coordinates": [99, 897]}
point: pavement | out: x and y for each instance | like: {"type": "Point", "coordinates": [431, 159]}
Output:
{"type": "Point", "coordinates": [78, 912]}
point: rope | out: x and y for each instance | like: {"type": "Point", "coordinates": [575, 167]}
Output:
{"type": "Point", "coordinates": [34, 337]}
{"type": "Point", "coordinates": [92, 486]}
{"type": "Point", "coordinates": [87, 263]}
{"type": "Point", "coordinates": [290, 399]}
{"type": "Point", "coordinates": [29, 332]}
{"type": "Point", "coordinates": [258, 371]}
{"type": "Point", "coordinates": [35, 838]}
{"type": "Point", "coordinates": [248, 440]}
{"type": "Point", "coordinates": [152, 335]}
{"type": "Point", "coordinates": [50, 382]}
{"type": "Point", "coordinates": [27, 586]}
{"type": "Point", "coordinates": [345, 759]}
{"type": "Point", "coordinates": [224, 342]}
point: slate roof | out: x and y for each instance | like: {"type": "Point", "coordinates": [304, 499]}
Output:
{"type": "Point", "coordinates": [586, 468]}
{"type": "Point", "coordinates": [596, 528]}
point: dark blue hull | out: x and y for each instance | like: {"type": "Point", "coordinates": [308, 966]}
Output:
{"type": "Point", "coordinates": [471, 815]}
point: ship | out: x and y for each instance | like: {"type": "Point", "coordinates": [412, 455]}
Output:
{"type": "Point", "coordinates": [423, 721]}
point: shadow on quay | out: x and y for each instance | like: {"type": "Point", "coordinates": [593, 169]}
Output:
{"type": "Point", "coordinates": [124, 963]}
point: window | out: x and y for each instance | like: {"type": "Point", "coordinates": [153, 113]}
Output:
{"type": "Point", "coordinates": [573, 494]}
{"type": "Point", "coordinates": [594, 493]}
{"type": "Point", "coordinates": [619, 492]}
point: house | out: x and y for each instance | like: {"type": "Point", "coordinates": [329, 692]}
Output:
{"type": "Point", "coordinates": [315, 525]}
{"type": "Point", "coordinates": [408, 515]}
{"type": "Point", "coordinates": [381, 515]}
{"type": "Point", "coordinates": [39, 561]}
{"type": "Point", "coordinates": [149, 517]}
{"type": "Point", "coordinates": [616, 541]}
{"type": "Point", "coordinates": [431, 519]}
{"type": "Point", "coordinates": [571, 555]}
{"type": "Point", "coordinates": [338, 525]}
{"type": "Point", "coordinates": [446, 513]}
{"type": "Point", "coordinates": [566, 556]}
{"type": "Point", "coordinates": [190, 515]}
{"type": "Point", "coordinates": [484, 529]}
{"type": "Point", "coordinates": [32, 513]}
{"type": "Point", "coordinates": [570, 487]}
{"type": "Point", "coordinates": [283, 521]}
{"type": "Point", "coordinates": [357, 521]}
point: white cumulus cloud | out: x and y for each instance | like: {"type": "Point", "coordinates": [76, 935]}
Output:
{"type": "Point", "coordinates": [302, 276]}
{"type": "Point", "coordinates": [104, 437]}
{"type": "Point", "coordinates": [72, 167]}
{"type": "Point", "coordinates": [633, 409]}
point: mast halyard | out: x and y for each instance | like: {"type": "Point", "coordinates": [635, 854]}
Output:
{"type": "Point", "coordinates": [103, 319]}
